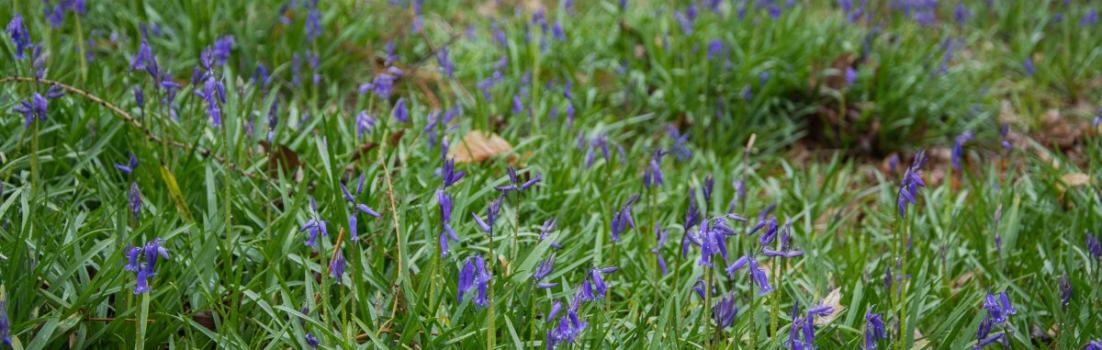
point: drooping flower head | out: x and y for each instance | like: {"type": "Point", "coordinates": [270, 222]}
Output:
{"type": "Point", "coordinates": [660, 236]}
{"type": "Point", "coordinates": [337, 267]}
{"type": "Point", "coordinates": [491, 216]}
{"type": "Point", "coordinates": [445, 202]}
{"type": "Point", "coordinates": [912, 181]}
{"type": "Point", "coordinates": [5, 324]}
{"type": "Point", "coordinates": [958, 148]}
{"type": "Point", "coordinates": [545, 268]}
{"type": "Point", "coordinates": [19, 35]}
{"type": "Point", "coordinates": [874, 330]}
{"type": "Point", "coordinates": [652, 175]}
{"type": "Point", "coordinates": [724, 311]}
{"type": "Point", "coordinates": [135, 198]}
{"type": "Point", "coordinates": [622, 219]}
{"type": "Point", "coordinates": [757, 275]}
{"type": "Point", "coordinates": [33, 109]}
{"type": "Point", "coordinates": [1094, 246]}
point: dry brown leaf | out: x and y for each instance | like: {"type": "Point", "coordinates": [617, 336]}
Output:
{"type": "Point", "coordinates": [1076, 179]}
{"type": "Point", "coordinates": [477, 146]}
{"type": "Point", "coordinates": [920, 341]}
{"type": "Point", "coordinates": [834, 301]}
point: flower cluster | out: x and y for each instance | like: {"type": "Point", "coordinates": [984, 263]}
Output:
{"type": "Point", "coordinates": [999, 310]}
{"type": "Point", "coordinates": [142, 260]}
{"type": "Point", "coordinates": [474, 274]}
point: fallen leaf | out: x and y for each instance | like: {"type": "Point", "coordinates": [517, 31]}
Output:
{"type": "Point", "coordinates": [920, 341]}
{"type": "Point", "coordinates": [477, 146]}
{"type": "Point", "coordinates": [834, 301]}
{"type": "Point", "coordinates": [1075, 179]}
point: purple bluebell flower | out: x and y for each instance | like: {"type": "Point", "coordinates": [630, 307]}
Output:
{"type": "Point", "coordinates": [516, 185]}
{"type": "Point", "coordinates": [622, 219]}
{"type": "Point", "coordinates": [757, 275]}
{"type": "Point", "coordinates": [724, 311]}
{"type": "Point", "coordinates": [445, 202]}
{"type": "Point", "coordinates": [557, 32]}
{"type": "Point", "coordinates": [135, 198]}
{"type": "Point", "coordinates": [1028, 66]}
{"type": "Point", "coordinates": [961, 13]}
{"type": "Point", "coordinates": [1094, 246]}
{"type": "Point", "coordinates": [566, 330]}
{"type": "Point", "coordinates": [684, 21]}
{"type": "Point", "coordinates": [851, 76]}
{"type": "Point", "coordinates": [555, 309]}
{"type": "Point", "coordinates": [383, 84]}
{"type": "Point", "coordinates": [874, 330]}
{"type": "Point", "coordinates": [545, 268]}
{"type": "Point", "coordinates": [221, 49]}
{"type": "Point", "coordinates": [133, 254]}
{"type": "Point", "coordinates": [400, 112]}
{"type": "Point", "coordinates": [912, 181]}
{"type": "Point", "coordinates": [1004, 133]}
{"type": "Point", "coordinates": [145, 60]}
{"type": "Point", "coordinates": [337, 266]}
{"type": "Point", "coordinates": [313, 227]}
{"type": "Point", "coordinates": [142, 285]}
{"type": "Point", "coordinates": [313, 23]}
{"type": "Point", "coordinates": [365, 123]}
{"type": "Point", "coordinates": [786, 241]}
{"type": "Point", "coordinates": [19, 35]}
{"type": "Point", "coordinates": [467, 277]}
{"type": "Point", "coordinates": [491, 216]}
{"type": "Point", "coordinates": [449, 176]}
{"type": "Point", "coordinates": [214, 94]}
{"type": "Point", "coordinates": [139, 96]}
{"type": "Point", "coordinates": [999, 308]}
{"type": "Point", "coordinates": [499, 35]}
{"type": "Point", "coordinates": [712, 239]}
{"type": "Point", "coordinates": [5, 324]}
{"type": "Point", "coordinates": [692, 213]}
{"type": "Point", "coordinates": [660, 236]}
{"type": "Point", "coordinates": [443, 60]}
{"type": "Point", "coordinates": [652, 175]}
{"type": "Point", "coordinates": [770, 235]}
{"type": "Point", "coordinates": [706, 189]}
{"type": "Point", "coordinates": [1089, 19]}
{"type": "Point", "coordinates": [153, 250]}
{"type": "Point", "coordinates": [715, 48]}
{"type": "Point", "coordinates": [698, 287]}
{"type": "Point", "coordinates": [958, 148]}
{"type": "Point", "coordinates": [482, 281]}
{"type": "Point", "coordinates": [261, 77]}
{"type": "Point", "coordinates": [1092, 345]}
{"type": "Point", "coordinates": [312, 341]}
{"type": "Point", "coordinates": [34, 108]}
{"type": "Point", "coordinates": [679, 140]}
{"type": "Point", "coordinates": [130, 166]}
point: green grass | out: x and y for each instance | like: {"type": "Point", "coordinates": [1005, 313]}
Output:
{"type": "Point", "coordinates": [229, 209]}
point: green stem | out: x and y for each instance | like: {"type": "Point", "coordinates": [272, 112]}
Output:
{"type": "Point", "coordinates": [491, 329]}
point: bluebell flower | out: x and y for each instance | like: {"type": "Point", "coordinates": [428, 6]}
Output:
{"type": "Point", "coordinates": [337, 267]}
{"type": "Point", "coordinates": [482, 280]}
{"type": "Point", "coordinates": [1066, 291]}
{"type": "Point", "coordinates": [445, 202]}
{"type": "Point", "coordinates": [130, 166]}
{"type": "Point", "coordinates": [912, 181]}
{"type": "Point", "coordinates": [1094, 246]}
{"type": "Point", "coordinates": [698, 287]}
{"type": "Point", "coordinates": [999, 308]}
{"type": "Point", "coordinates": [715, 48]}
{"type": "Point", "coordinates": [34, 108]}
{"type": "Point", "coordinates": [958, 148]}
{"type": "Point", "coordinates": [623, 219]}
{"type": "Point", "coordinates": [786, 244]}
{"type": "Point", "coordinates": [757, 275]}
{"type": "Point", "coordinates": [144, 270]}
{"type": "Point", "coordinates": [660, 236]}
{"type": "Point", "coordinates": [692, 213]}
{"type": "Point", "coordinates": [566, 330]}
{"type": "Point", "coordinates": [443, 60]}
{"type": "Point", "coordinates": [312, 341]}
{"type": "Point", "coordinates": [557, 32]}
{"type": "Point", "coordinates": [1089, 19]}
{"type": "Point", "coordinates": [706, 189]}
{"type": "Point", "coordinates": [19, 35]}
{"type": "Point", "coordinates": [545, 268]}
{"type": "Point", "coordinates": [313, 23]}
{"type": "Point", "coordinates": [1094, 345]}
{"type": "Point", "coordinates": [851, 76]}
{"type": "Point", "coordinates": [449, 175]}
{"type": "Point", "coordinates": [135, 198]}
{"type": "Point", "coordinates": [142, 284]}
{"type": "Point", "coordinates": [491, 216]}
{"type": "Point", "coordinates": [400, 111]}
{"type": "Point", "coordinates": [139, 96]}
{"type": "Point", "coordinates": [516, 185]}
{"type": "Point", "coordinates": [5, 324]}
{"type": "Point", "coordinates": [313, 227]}
{"type": "Point", "coordinates": [1028, 66]}
{"type": "Point", "coordinates": [555, 309]}
{"type": "Point", "coordinates": [364, 123]}
{"type": "Point", "coordinates": [874, 330]}
{"type": "Point", "coordinates": [724, 311]}
{"type": "Point", "coordinates": [145, 60]}
{"type": "Point", "coordinates": [133, 255]}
